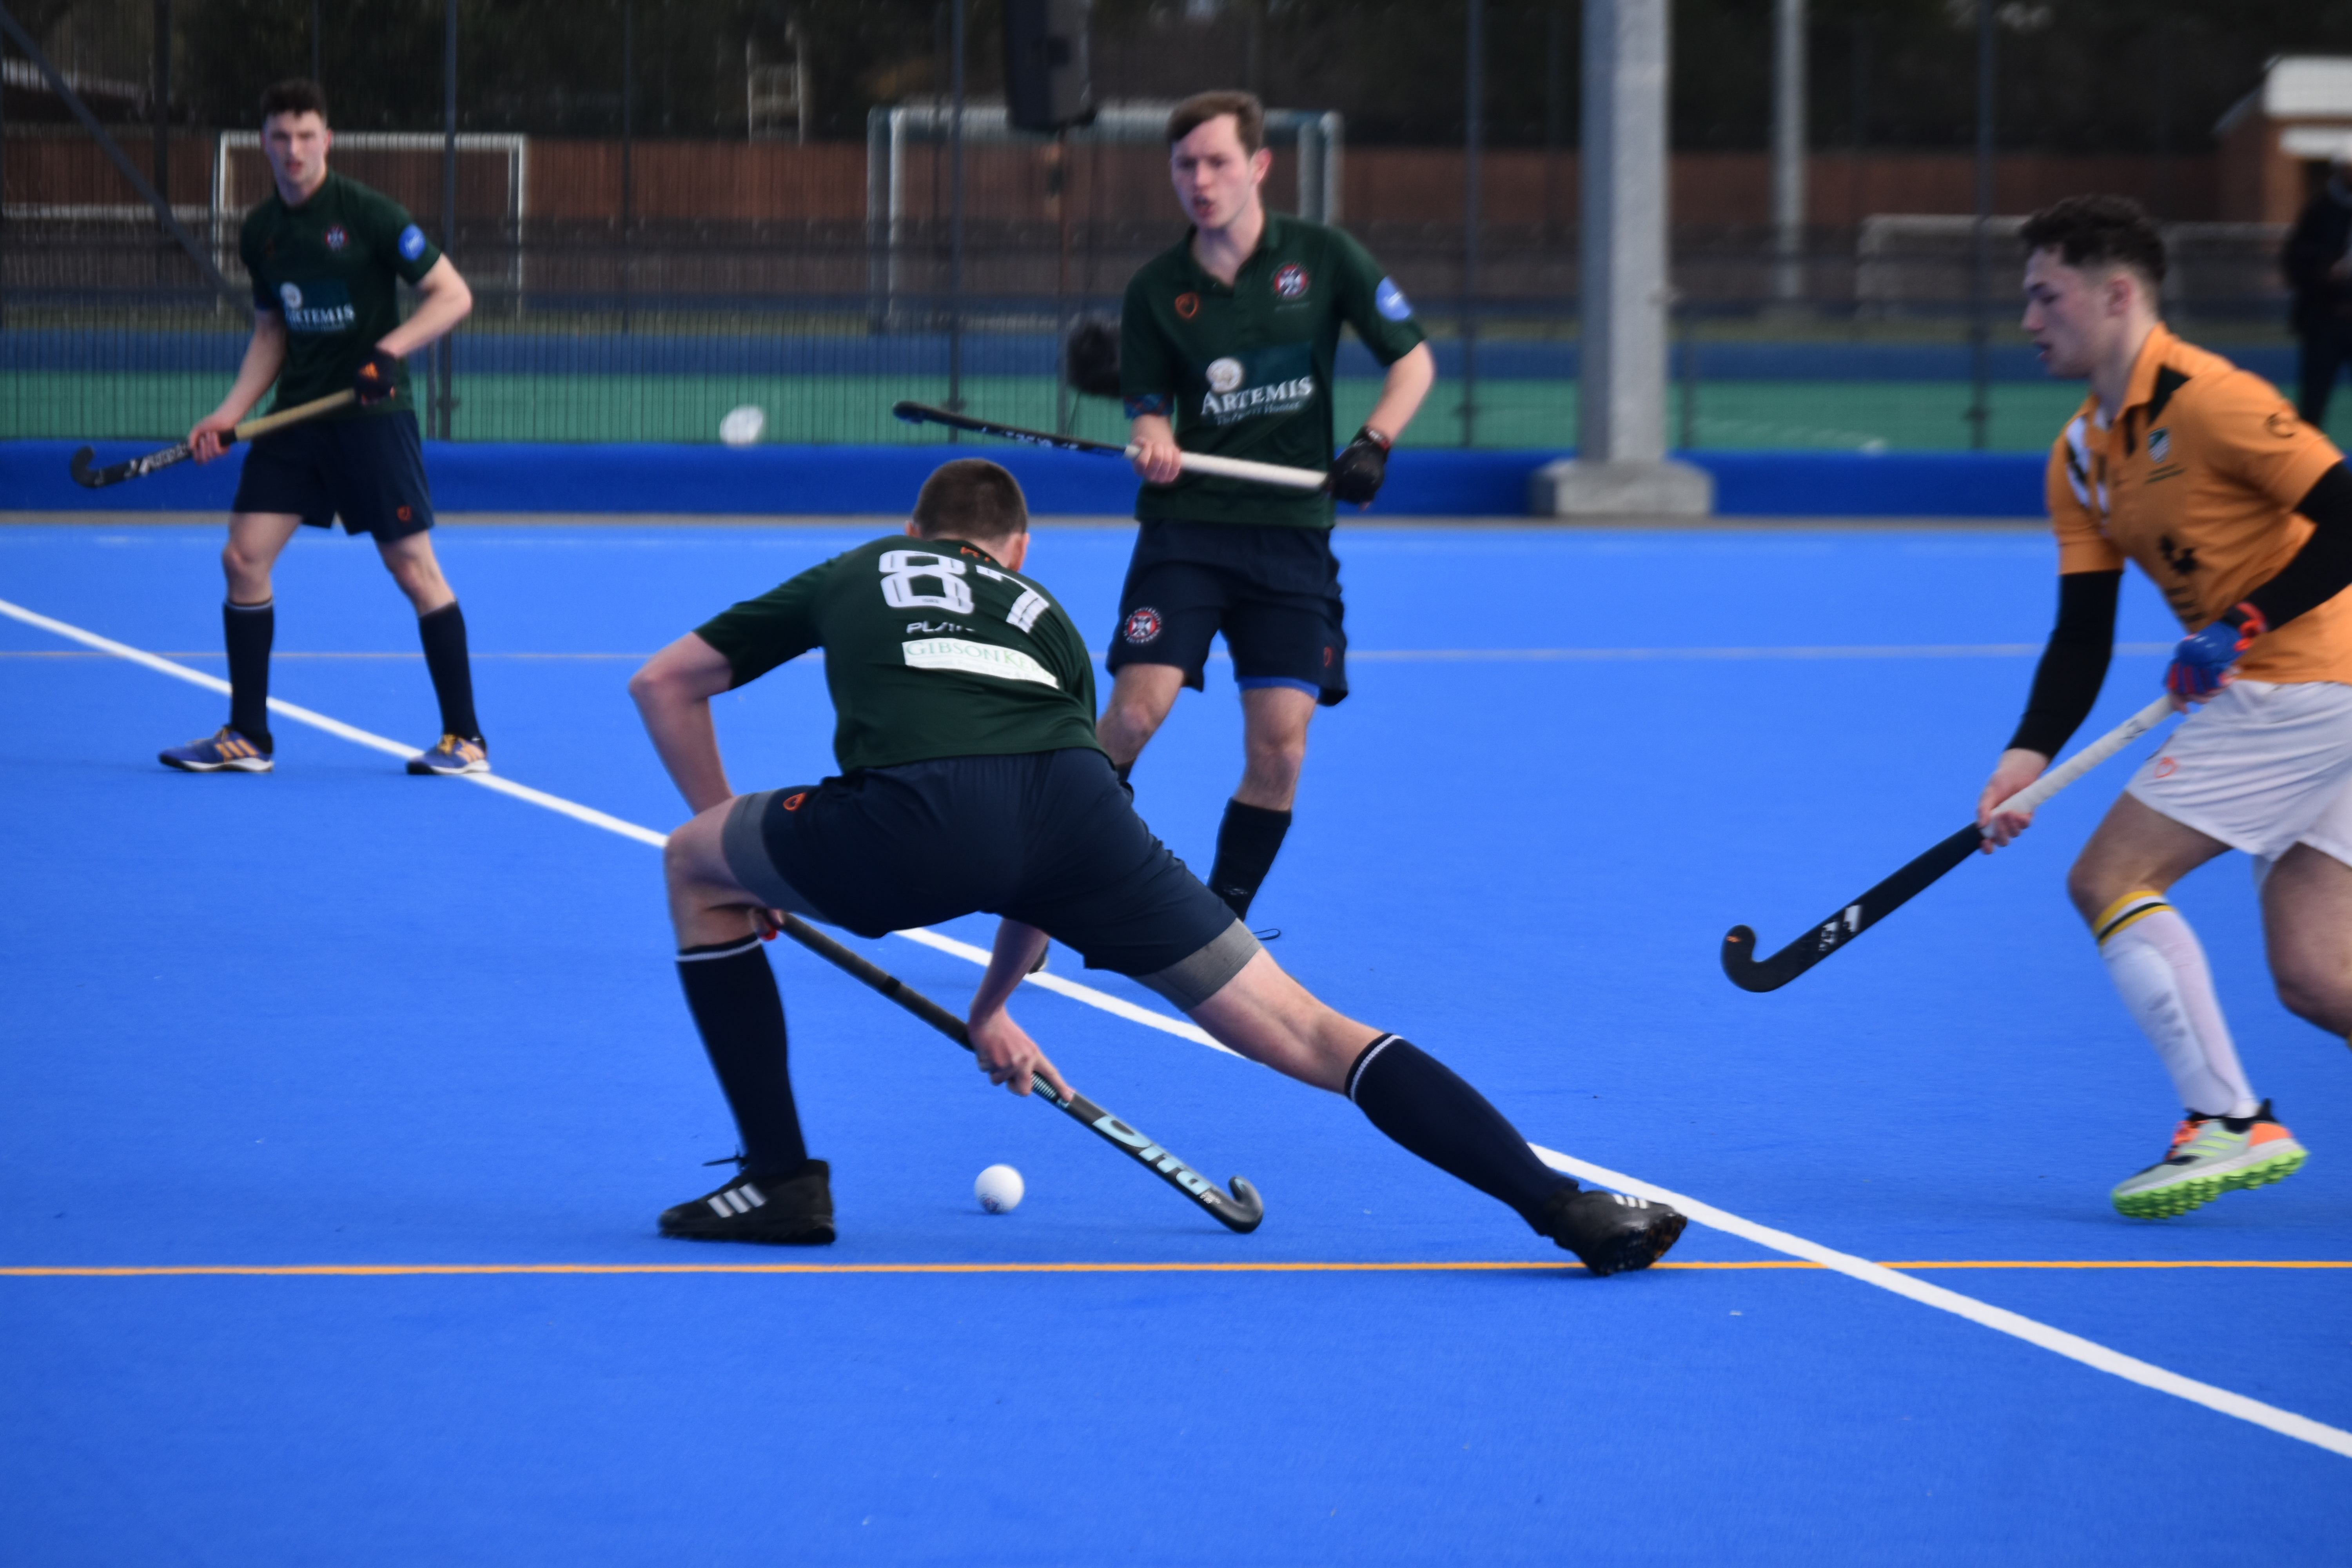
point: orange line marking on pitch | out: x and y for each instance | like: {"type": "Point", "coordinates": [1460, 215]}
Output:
{"type": "Point", "coordinates": [368, 1270]}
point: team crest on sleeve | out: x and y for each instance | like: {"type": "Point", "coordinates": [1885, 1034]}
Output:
{"type": "Point", "coordinates": [1143, 625]}
{"type": "Point", "coordinates": [1188, 305]}
{"type": "Point", "coordinates": [1291, 281]}
{"type": "Point", "coordinates": [338, 236]}
{"type": "Point", "coordinates": [412, 242]}
{"type": "Point", "coordinates": [1390, 301]}
{"type": "Point", "coordinates": [2280, 425]}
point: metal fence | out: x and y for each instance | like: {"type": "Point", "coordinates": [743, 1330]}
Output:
{"type": "Point", "coordinates": [636, 283]}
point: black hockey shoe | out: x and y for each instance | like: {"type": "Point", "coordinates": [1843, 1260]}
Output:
{"type": "Point", "coordinates": [1611, 1231]}
{"type": "Point", "coordinates": [794, 1209]}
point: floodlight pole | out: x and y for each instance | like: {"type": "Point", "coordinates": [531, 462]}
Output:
{"type": "Point", "coordinates": [1981, 247]}
{"type": "Point", "coordinates": [955, 216]}
{"type": "Point", "coordinates": [1789, 150]}
{"type": "Point", "coordinates": [1621, 467]}
{"type": "Point", "coordinates": [1474, 100]}
{"type": "Point", "coordinates": [446, 403]}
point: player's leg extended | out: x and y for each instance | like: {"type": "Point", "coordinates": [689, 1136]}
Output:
{"type": "Point", "coordinates": [1274, 749]}
{"type": "Point", "coordinates": [1422, 1105]}
{"type": "Point", "coordinates": [441, 629]}
{"type": "Point", "coordinates": [2118, 886]}
{"type": "Point", "coordinates": [1140, 698]}
{"type": "Point", "coordinates": [781, 1194]}
{"type": "Point", "coordinates": [2307, 920]}
{"type": "Point", "coordinates": [2228, 1138]}
{"type": "Point", "coordinates": [249, 627]}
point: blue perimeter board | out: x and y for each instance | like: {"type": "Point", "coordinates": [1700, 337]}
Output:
{"type": "Point", "coordinates": [840, 480]}
{"type": "Point", "coordinates": [339, 1016]}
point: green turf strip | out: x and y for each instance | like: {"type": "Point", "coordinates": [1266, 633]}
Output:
{"type": "Point", "coordinates": [1524, 414]}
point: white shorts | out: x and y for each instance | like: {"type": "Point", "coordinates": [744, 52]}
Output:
{"type": "Point", "coordinates": [2261, 767]}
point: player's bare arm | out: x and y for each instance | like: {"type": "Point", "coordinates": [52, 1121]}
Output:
{"type": "Point", "coordinates": [1007, 1055]}
{"type": "Point", "coordinates": [443, 300]}
{"type": "Point", "coordinates": [1401, 394]}
{"type": "Point", "coordinates": [265, 356]}
{"type": "Point", "coordinates": [673, 691]}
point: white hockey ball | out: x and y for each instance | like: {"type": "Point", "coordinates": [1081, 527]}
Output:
{"type": "Point", "coordinates": [741, 428]}
{"type": "Point", "coordinates": [999, 1189]}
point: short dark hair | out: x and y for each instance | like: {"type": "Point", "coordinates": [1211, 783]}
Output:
{"type": "Point", "coordinates": [295, 95]}
{"type": "Point", "coordinates": [1249, 117]}
{"type": "Point", "coordinates": [2098, 231]}
{"type": "Point", "coordinates": [970, 497]}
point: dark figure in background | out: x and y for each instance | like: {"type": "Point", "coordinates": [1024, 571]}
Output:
{"type": "Point", "coordinates": [2319, 269]}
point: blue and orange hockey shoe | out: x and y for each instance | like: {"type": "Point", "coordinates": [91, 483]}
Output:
{"type": "Point", "coordinates": [455, 754]}
{"type": "Point", "coordinates": [224, 750]}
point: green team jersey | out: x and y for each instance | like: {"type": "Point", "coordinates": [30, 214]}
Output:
{"type": "Point", "coordinates": [1245, 371]}
{"type": "Point", "coordinates": [328, 267]}
{"type": "Point", "coordinates": [931, 650]}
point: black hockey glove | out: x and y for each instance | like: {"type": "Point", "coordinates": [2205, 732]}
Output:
{"type": "Point", "coordinates": [1090, 357]}
{"type": "Point", "coordinates": [373, 380]}
{"type": "Point", "coordinates": [1361, 465]}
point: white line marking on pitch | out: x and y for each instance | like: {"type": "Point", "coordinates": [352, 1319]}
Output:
{"type": "Point", "coordinates": [2074, 1347]}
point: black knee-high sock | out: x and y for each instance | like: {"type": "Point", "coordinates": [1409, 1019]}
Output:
{"type": "Point", "coordinates": [1420, 1102]}
{"type": "Point", "coordinates": [1247, 841]}
{"type": "Point", "coordinates": [732, 994]}
{"type": "Point", "coordinates": [248, 630]}
{"type": "Point", "coordinates": [442, 633]}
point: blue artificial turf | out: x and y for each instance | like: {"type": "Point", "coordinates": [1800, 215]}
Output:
{"type": "Point", "coordinates": [337, 1016]}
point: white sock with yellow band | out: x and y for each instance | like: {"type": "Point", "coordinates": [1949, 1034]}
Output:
{"type": "Point", "coordinates": [2159, 970]}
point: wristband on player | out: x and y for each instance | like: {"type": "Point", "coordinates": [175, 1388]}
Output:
{"type": "Point", "coordinates": [372, 383]}
{"type": "Point", "coordinates": [2201, 664]}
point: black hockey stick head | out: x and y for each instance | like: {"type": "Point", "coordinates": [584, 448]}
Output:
{"type": "Point", "coordinates": [1742, 967]}
{"type": "Point", "coordinates": [911, 413]}
{"type": "Point", "coordinates": [93, 478]}
{"type": "Point", "coordinates": [1239, 1212]}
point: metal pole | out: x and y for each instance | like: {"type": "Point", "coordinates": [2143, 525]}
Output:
{"type": "Point", "coordinates": [628, 152]}
{"type": "Point", "coordinates": [1789, 150]}
{"type": "Point", "coordinates": [4, 188]}
{"type": "Point", "coordinates": [1980, 260]}
{"type": "Point", "coordinates": [1474, 100]}
{"type": "Point", "coordinates": [955, 219]}
{"type": "Point", "coordinates": [2168, 32]}
{"type": "Point", "coordinates": [447, 400]}
{"type": "Point", "coordinates": [1621, 467]}
{"type": "Point", "coordinates": [1555, 110]}
{"type": "Point", "coordinates": [163, 98]}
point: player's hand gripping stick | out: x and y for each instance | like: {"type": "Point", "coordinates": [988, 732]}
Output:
{"type": "Point", "coordinates": [1240, 1210]}
{"type": "Point", "coordinates": [94, 479]}
{"type": "Point", "coordinates": [1751, 973]}
{"type": "Point", "coordinates": [2201, 664]}
{"type": "Point", "coordinates": [1194, 462]}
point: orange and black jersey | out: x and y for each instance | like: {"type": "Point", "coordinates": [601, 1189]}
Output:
{"type": "Point", "coordinates": [2197, 479]}
{"type": "Point", "coordinates": [2207, 480]}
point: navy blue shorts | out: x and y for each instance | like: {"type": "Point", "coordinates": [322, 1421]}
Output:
{"type": "Point", "coordinates": [1274, 591]}
{"type": "Point", "coordinates": [368, 470]}
{"type": "Point", "coordinates": [1049, 839]}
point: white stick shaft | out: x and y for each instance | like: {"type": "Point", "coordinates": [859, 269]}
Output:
{"type": "Point", "coordinates": [1241, 469]}
{"type": "Point", "coordinates": [2089, 757]}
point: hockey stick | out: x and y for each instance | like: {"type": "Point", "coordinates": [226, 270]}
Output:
{"type": "Point", "coordinates": [1751, 973]}
{"type": "Point", "coordinates": [93, 478]}
{"type": "Point", "coordinates": [1194, 462]}
{"type": "Point", "coordinates": [1241, 1211]}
